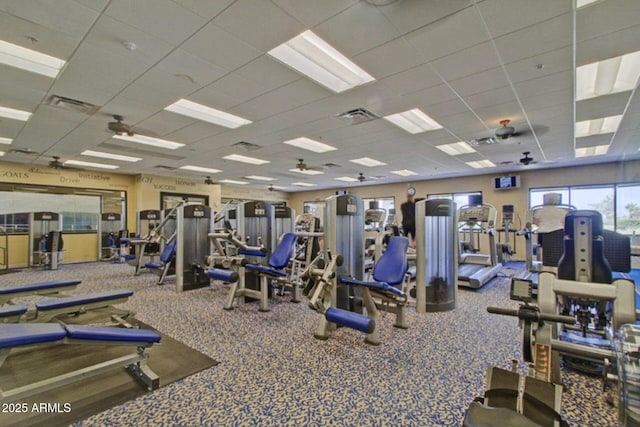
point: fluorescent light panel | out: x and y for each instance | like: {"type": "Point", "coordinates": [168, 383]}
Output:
{"type": "Point", "coordinates": [307, 171]}
{"type": "Point", "coordinates": [481, 164]}
{"type": "Point", "coordinates": [310, 144]}
{"type": "Point", "coordinates": [11, 113]}
{"type": "Point", "coordinates": [147, 140]}
{"type": "Point", "coordinates": [207, 114]}
{"type": "Point", "coordinates": [612, 75]}
{"type": "Point", "coordinates": [456, 148]}
{"type": "Point", "coordinates": [598, 126]}
{"type": "Point", "coordinates": [404, 172]}
{"type": "Point", "coordinates": [583, 3]}
{"type": "Point", "coordinates": [413, 121]}
{"type": "Point", "coordinates": [199, 169]}
{"type": "Point", "coordinates": [367, 161]}
{"type": "Point", "coordinates": [310, 55]}
{"type": "Point", "coordinates": [303, 184]}
{"type": "Point", "coordinates": [6, 141]}
{"type": "Point", "coordinates": [102, 155]}
{"type": "Point", "coordinates": [245, 159]}
{"type": "Point", "coordinates": [2, 153]}
{"type": "Point", "coordinates": [233, 181]}
{"type": "Point", "coordinates": [346, 179]}
{"type": "Point", "coordinates": [260, 178]}
{"type": "Point", "coordinates": [90, 164]}
{"type": "Point", "coordinates": [597, 150]}
{"type": "Point", "coordinates": [30, 60]}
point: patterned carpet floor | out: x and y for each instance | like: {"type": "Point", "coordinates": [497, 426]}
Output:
{"type": "Point", "coordinates": [274, 373]}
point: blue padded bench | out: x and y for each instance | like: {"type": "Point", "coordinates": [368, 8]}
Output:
{"type": "Point", "coordinates": [167, 255]}
{"type": "Point", "coordinates": [12, 313]}
{"type": "Point", "coordinates": [44, 288]}
{"type": "Point", "coordinates": [32, 334]}
{"type": "Point", "coordinates": [47, 310]}
{"type": "Point", "coordinates": [228, 276]}
{"type": "Point", "coordinates": [278, 260]}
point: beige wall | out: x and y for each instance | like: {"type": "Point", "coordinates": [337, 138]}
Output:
{"type": "Point", "coordinates": [608, 173]}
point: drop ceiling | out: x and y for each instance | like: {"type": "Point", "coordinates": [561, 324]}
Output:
{"type": "Point", "coordinates": [467, 64]}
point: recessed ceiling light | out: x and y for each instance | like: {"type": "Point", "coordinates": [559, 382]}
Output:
{"type": "Point", "coordinates": [199, 169]}
{"type": "Point", "coordinates": [90, 164]}
{"type": "Point", "coordinates": [233, 181]}
{"type": "Point", "coordinates": [310, 144]}
{"type": "Point", "coordinates": [307, 171]}
{"type": "Point", "coordinates": [310, 55]}
{"type": "Point", "coordinates": [346, 179]}
{"type": "Point", "coordinates": [303, 184]}
{"type": "Point", "coordinates": [6, 140]}
{"type": "Point", "coordinates": [404, 172]}
{"type": "Point", "coordinates": [367, 161]}
{"type": "Point", "coordinates": [245, 159]}
{"type": "Point", "coordinates": [110, 156]}
{"type": "Point", "coordinates": [11, 113]}
{"type": "Point", "coordinates": [597, 150]}
{"type": "Point", "coordinates": [481, 164]}
{"type": "Point", "coordinates": [413, 121]}
{"type": "Point", "coordinates": [261, 178]}
{"type": "Point", "coordinates": [456, 148]}
{"type": "Point", "coordinates": [2, 153]}
{"type": "Point", "coordinates": [147, 140]}
{"type": "Point", "coordinates": [613, 75]}
{"type": "Point", "coordinates": [30, 60]}
{"type": "Point", "coordinates": [598, 126]}
{"type": "Point", "coordinates": [207, 114]}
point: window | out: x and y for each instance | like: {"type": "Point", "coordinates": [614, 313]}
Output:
{"type": "Point", "coordinates": [619, 205]}
{"type": "Point", "coordinates": [628, 209]}
{"type": "Point", "coordinates": [460, 199]}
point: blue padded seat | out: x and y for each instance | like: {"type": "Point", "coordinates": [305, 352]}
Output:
{"type": "Point", "coordinates": [17, 334]}
{"type": "Point", "coordinates": [283, 252]}
{"type": "Point", "coordinates": [278, 259]}
{"type": "Point", "coordinates": [266, 270]}
{"type": "Point", "coordinates": [39, 286]}
{"type": "Point", "coordinates": [250, 252]}
{"type": "Point", "coordinates": [12, 310]}
{"type": "Point", "coordinates": [97, 333]}
{"type": "Point", "coordinates": [166, 256]}
{"type": "Point", "coordinates": [389, 270]}
{"type": "Point", "coordinates": [392, 265]}
{"type": "Point", "coordinates": [128, 256]}
{"type": "Point", "coordinates": [54, 304]}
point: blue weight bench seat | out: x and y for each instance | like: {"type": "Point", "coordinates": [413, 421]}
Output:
{"type": "Point", "coordinates": [12, 313]}
{"type": "Point", "coordinates": [275, 269]}
{"type": "Point", "coordinates": [15, 336]}
{"type": "Point", "coordinates": [388, 273]}
{"type": "Point", "coordinates": [54, 288]}
{"type": "Point", "coordinates": [166, 256]}
{"type": "Point", "coordinates": [47, 310]}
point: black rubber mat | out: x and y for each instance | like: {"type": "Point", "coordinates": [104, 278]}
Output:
{"type": "Point", "coordinates": [171, 360]}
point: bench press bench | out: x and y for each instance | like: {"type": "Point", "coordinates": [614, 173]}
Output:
{"type": "Point", "coordinates": [52, 289]}
{"type": "Point", "coordinates": [49, 309]}
{"type": "Point", "coordinates": [19, 335]}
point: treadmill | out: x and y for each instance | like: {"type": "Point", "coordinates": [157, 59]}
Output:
{"type": "Point", "coordinates": [477, 269]}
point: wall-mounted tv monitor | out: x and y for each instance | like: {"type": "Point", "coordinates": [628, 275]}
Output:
{"type": "Point", "coordinates": [506, 182]}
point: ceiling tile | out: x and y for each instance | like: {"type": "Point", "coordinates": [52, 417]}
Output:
{"type": "Point", "coordinates": [500, 16]}
{"type": "Point", "coordinates": [388, 59]}
{"type": "Point", "coordinates": [352, 30]}
{"type": "Point", "coordinates": [600, 19]}
{"type": "Point", "coordinates": [411, 80]}
{"type": "Point", "coordinates": [313, 12]}
{"type": "Point", "coordinates": [215, 45]}
{"type": "Point", "coordinates": [480, 82]}
{"type": "Point", "coordinates": [207, 9]}
{"type": "Point", "coordinates": [608, 46]}
{"type": "Point", "coordinates": [261, 24]}
{"type": "Point", "coordinates": [165, 19]}
{"type": "Point", "coordinates": [191, 68]}
{"type": "Point", "coordinates": [409, 15]}
{"type": "Point", "coordinates": [478, 58]}
{"type": "Point", "coordinates": [602, 106]}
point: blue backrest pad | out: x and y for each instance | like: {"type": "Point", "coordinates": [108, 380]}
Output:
{"type": "Point", "coordinates": [282, 253]}
{"type": "Point", "coordinates": [168, 252]}
{"type": "Point", "coordinates": [392, 265]}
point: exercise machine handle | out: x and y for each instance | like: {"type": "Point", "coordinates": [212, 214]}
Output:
{"type": "Point", "coordinates": [530, 313]}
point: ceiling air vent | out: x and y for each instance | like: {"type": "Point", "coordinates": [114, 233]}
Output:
{"type": "Point", "coordinates": [164, 167]}
{"type": "Point", "coordinates": [357, 116]}
{"type": "Point", "coordinates": [71, 104]}
{"type": "Point", "coordinates": [247, 145]}
{"type": "Point", "coordinates": [483, 141]}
